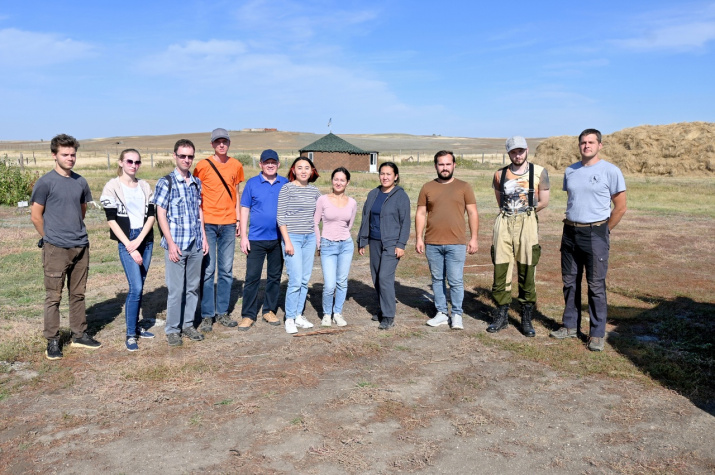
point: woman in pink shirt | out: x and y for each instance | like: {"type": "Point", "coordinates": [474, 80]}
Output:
{"type": "Point", "coordinates": [337, 211]}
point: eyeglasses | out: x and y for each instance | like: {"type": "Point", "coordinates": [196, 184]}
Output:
{"type": "Point", "coordinates": [185, 157]}
{"type": "Point", "coordinates": [133, 162]}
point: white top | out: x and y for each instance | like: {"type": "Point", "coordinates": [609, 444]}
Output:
{"type": "Point", "coordinates": [135, 205]}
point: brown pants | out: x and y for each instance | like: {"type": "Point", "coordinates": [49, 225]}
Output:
{"type": "Point", "coordinates": [58, 263]}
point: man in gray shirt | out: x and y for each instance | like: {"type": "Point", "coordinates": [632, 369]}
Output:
{"type": "Point", "coordinates": [59, 203]}
{"type": "Point", "coordinates": [592, 185]}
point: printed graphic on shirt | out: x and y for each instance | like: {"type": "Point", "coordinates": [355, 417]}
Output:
{"type": "Point", "coordinates": [516, 195]}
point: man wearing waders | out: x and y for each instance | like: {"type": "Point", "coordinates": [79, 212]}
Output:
{"type": "Point", "coordinates": [522, 190]}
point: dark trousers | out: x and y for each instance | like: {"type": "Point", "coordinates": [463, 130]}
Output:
{"type": "Point", "coordinates": [271, 252]}
{"type": "Point", "coordinates": [383, 264]}
{"type": "Point", "coordinates": [58, 264]}
{"type": "Point", "coordinates": [585, 247]}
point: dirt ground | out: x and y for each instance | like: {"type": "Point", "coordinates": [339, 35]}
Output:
{"type": "Point", "coordinates": [358, 400]}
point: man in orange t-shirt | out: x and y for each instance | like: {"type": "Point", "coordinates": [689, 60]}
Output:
{"type": "Point", "coordinates": [221, 178]}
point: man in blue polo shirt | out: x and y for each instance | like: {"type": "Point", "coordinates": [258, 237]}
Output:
{"type": "Point", "coordinates": [261, 241]}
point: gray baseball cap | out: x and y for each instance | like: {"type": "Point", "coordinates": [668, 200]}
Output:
{"type": "Point", "coordinates": [516, 141]}
{"type": "Point", "coordinates": [219, 134]}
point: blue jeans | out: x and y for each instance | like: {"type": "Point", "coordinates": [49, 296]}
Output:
{"type": "Point", "coordinates": [335, 259]}
{"type": "Point", "coordinates": [446, 264]}
{"type": "Point", "coordinates": [222, 244]}
{"type": "Point", "coordinates": [182, 281]}
{"type": "Point", "coordinates": [136, 275]}
{"type": "Point", "coordinates": [299, 267]}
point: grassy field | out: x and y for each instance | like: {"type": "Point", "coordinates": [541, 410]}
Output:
{"type": "Point", "coordinates": [660, 341]}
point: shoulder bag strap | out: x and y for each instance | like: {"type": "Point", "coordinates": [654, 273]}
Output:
{"type": "Point", "coordinates": [222, 180]}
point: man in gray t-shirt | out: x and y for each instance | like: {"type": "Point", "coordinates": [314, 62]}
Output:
{"type": "Point", "coordinates": [59, 203]}
{"type": "Point", "coordinates": [592, 184]}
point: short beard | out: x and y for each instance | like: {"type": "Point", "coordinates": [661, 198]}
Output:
{"type": "Point", "coordinates": [448, 177]}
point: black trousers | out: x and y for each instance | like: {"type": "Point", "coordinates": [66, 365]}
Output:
{"type": "Point", "coordinates": [271, 252]}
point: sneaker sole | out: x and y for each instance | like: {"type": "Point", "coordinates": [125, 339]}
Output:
{"type": "Point", "coordinates": [437, 324]}
{"type": "Point", "coordinates": [275, 324]}
{"type": "Point", "coordinates": [562, 337]}
{"type": "Point", "coordinates": [174, 345]}
{"type": "Point", "coordinates": [82, 345]}
{"type": "Point", "coordinates": [457, 328]}
{"type": "Point", "coordinates": [146, 337]}
{"type": "Point", "coordinates": [229, 325]}
{"type": "Point", "coordinates": [245, 329]}
{"type": "Point", "coordinates": [52, 357]}
{"type": "Point", "coordinates": [132, 349]}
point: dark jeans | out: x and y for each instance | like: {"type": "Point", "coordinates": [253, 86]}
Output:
{"type": "Point", "coordinates": [261, 251]}
{"type": "Point", "coordinates": [585, 247]}
{"type": "Point", "coordinates": [383, 264]}
{"type": "Point", "coordinates": [59, 263]}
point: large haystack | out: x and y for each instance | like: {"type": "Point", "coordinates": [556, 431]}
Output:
{"type": "Point", "coordinates": [674, 149]}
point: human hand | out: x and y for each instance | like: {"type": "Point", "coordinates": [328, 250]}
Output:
{"type": "Point", "coordinates": [137, 257]}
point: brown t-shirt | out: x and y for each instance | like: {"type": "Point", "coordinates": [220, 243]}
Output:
{"type": "Point", "coordinates": [446, 208]}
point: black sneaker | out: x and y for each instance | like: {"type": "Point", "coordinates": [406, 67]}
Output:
{"type": "Point", "coordinates": [53, 352]}
{"type": "Point", "coordinates": [192, 333]}
{"type": "Point", "coordinates": [85, 341]}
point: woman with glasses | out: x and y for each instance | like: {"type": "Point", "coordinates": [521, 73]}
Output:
{"type": "Point", "coordinates": [130, 215]}
{"type": "Point", "coordinates": [385, 228]}
{"type": "Point", "coordinates": [296, 208]}
{"type": "Point", "coordinates": [337, 212]}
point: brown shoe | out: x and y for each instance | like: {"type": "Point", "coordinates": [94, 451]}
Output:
{"type": "Point", "coordinates": [245, 324]}
{"type": "Point", "coordinates": [271, 319]}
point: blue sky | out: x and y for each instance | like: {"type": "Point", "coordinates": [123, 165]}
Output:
{"type": "Point", "coordinates": [459, 68]}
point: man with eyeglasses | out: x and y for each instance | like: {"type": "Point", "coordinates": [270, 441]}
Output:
{"type": "Point", "coordinates": [178, 209]}
{"type": "Point", "coordinates": [261, 241]}
{"type": "Point", "coordinates": [221, 178]}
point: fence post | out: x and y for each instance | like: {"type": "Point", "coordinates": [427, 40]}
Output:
{"type": "Point", "coordinates": [22, 161]}
{"type": "Point", "coordinates": [503, 158]}
{"type": "Point", "coordinates": [152, 160]}
{"type": "Point", "coordinates": [108, 161]}
{"type": "Point", "coordinates": [34, 160]}
{"type": "Point", "coordinates": [482, 158]}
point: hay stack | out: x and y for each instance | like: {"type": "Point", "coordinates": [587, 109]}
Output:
{"type": "Point", "coordinates": [675, 149]}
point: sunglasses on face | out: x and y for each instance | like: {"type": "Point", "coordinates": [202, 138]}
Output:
{"type": "Point", "coordinates": [185, 157]}
{"type": "Point", "coordinates": [133, 162]}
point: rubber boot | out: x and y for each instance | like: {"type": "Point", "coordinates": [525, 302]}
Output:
{"type": "Point", "coordinates": [526, 315]}
{"type": "Point", "coordinates": [501, 319]}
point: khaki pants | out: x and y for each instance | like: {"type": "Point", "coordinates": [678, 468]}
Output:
{"type": "Point", "coordinates": [59, 263]}
{"type": "Point", "coordinates": [515, 237]}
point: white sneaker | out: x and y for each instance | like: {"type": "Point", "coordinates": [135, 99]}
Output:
{"type": "Point", "coordinates": [339, 320]}
{"type": "Point", "coordinates": [302, 322]}
{"type": "Point", "coordinates": [457, 322]}
{"type": "Point", "coordinates": [325, 322]}
{"type": "Point", "coordinates": [290, 326]}
{"type": "Point", "coordinates": [439, 319]}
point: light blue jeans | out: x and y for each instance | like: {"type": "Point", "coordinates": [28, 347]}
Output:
{"type": "Point", "coordinates": [182, 281]}
{"type": "Point", "coordinates": [136, 274]}
{"type": "Point", "coordinates": [299, 266]}
{"type": "Point", "coordinates": [335, 259]}
{"type": "Point", "coordinates": [446, 264]}
{"type": "Point", "coordinates": [222, 244]}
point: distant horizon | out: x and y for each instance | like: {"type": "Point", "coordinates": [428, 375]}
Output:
{"type": "Point", "coordinates": [465, 69]}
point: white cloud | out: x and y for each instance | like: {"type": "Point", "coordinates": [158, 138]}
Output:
{"type": "Point", "coordinates": [20, 48]}
{"type": "Point", "coordinates": [673, 30]}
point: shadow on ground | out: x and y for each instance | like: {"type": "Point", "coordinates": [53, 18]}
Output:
{"type": "Point", "coordinates": [673, 342]}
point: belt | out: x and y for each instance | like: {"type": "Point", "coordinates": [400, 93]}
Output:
{"type": "Point", "coordinates": [584, 225]}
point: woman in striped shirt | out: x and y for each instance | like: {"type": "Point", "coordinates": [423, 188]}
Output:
{"type": "Point", "coordinates": [296, 208]}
